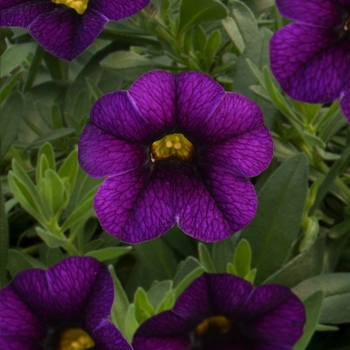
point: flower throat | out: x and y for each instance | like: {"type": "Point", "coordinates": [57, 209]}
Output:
{"type": "Point", "coordinates": [78, 5]}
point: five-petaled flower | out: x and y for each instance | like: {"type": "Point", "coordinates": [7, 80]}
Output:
{"type": "Point", "coordinates": [65, 28]}
{"type": "Point", "coordinates": [222, 311]}
{"type": "Point", "coordinates": [65, 307]}
{"type": "Point", "coordinates": [310, 58]}
{"type": "Point", "coordinates": [175, 148]}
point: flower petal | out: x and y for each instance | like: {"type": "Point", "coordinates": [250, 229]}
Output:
{"type": "Point", "coordinates": [197, 97]}
{"type": "Point", "coordinates": [137, 206]}
{"type": "Point", "coordinates": [313, 12]}
{"type": "Point", "coordinates": [60, 293]}
{"type": "Point", "coordinates": [153, 95]}
{"type": "Point", "coordinates": [118, 9]}
{"type": "Point", "coordinates": [345, 103]}
{"type": "Point", "coordinates": [235, 115]}
{"type": "Point", "coordinates": [163, 331]}
{"type": "Point", "coordinates": [248, 154]}
{"type": "Point", "coordinates": [116, 115]}
{"type": "Point", "coordinates": [212, 208]}
{"type": "Point", "coordinates": [310, 63]}
{"type": "Point", "coordinates": [277, 316]}
{"type": "Point", "coordinates": [108, 337]}
{"type": "Point", "coordinates": [65, 33]}
{"type": "Point", "coordinates": [18, 323]}
{"type": "Point", "coordinates": [21, 13]}
{"type": "Point", "coordinates": [102, 154]}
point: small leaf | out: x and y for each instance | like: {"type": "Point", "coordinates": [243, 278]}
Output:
{"type": "Point", "coordinates": [55, 192]}
{"type": "Point", "coordinates": [4, 240]}
{"type": "Point", "coordinates": [230, 268]}
{"type": "Point", "coordinates": [205, 259]}
{"type": "Point", "coordinates": [250, 276]}
{"type": "Point", "coordinates": [109, 253]}
{"type": "Point", "coordinates": [51, 240]}
{"type": "Point", "coordinates": [13, 57]}
{"type": "Point", "coordinates": [223, 252]}
{"type": "Point", "coordinates": [50, 136]}
{"type": "Point", "coordinates": [143, 308]}
{"type": "Point", "coordinates": [167, 303]}
{"type": "Point", "coordinates": [131, 323]}
{"type": "Point", "coordinates": [242, 258]}
{"type": "Point", "coordinates": [18, 261]}
{"type": "Point", "coordinates": [234, 34]}
{"type": "Point", "coordinates": [188, 280]}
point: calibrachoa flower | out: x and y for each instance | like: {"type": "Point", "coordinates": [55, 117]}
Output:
{"type": "Point", "coordinates": [66, 307]}
{"type": "Point", "coordinates": [310, 58]}
{"type": "Point", "coordinates": [65, 28]}
{"type": "Point", "coordinates": [175, 148]}
{"type": "Point", "coordinates": [222, 311]}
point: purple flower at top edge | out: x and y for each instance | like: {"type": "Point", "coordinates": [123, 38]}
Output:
{"type": "Point", "coordinates": [310, 57]}
{"type": "Point", "coordinates": [222, 311]}
{"type": "Point", "coordinates": [65, 28]}
{"type": "Point", "coordinates": [175, 149]}
{"type": "Point", "coordinates": [65, 307]}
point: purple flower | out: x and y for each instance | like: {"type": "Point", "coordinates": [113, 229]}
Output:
{"type": "Point", "coordinates": [65, 28]}
{"type": "Point", "coordinates": [65, 307]}
{"type": "Point", "coordinates": [222, 311]}
{"type": "Point", "coordinates": [175, 148]}
{"type": "Point", "coordinates": [310, 58]}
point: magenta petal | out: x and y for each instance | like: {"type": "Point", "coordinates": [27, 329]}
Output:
{"type": "Point", "coordinates": [277, 316]}
{"type": "Point", "coordinates": [23, 13]}
{"type": "Point", "coordinates": [137, 206]}
{"type": "Point", "coordinates": [197, 97]}
{"type": "Point", "coordinates": [310, 62]}
{"type": "Point", "coordinates": [102, 154]}
{"type": "Point", "coordinates": [213, 209]}
{"type": "Point", "coordinates": [321, 13]}
{"type": "Point", "coordinates": [345, 103]}
{"type": "Point", "coordinates": [248, 154]}
{"type": "Point", "coordinates": [235, 115]}
{"type": "Point", "coordinates": [116, 115]}
{"type": "Point", "coordinates": [153, 95]}
{"type": "Point", "coordinates": [18, 323]}
{"type": "Point", "coordinates": [66, 34]}
{"type": "Point", "coordinates": [118, 9]}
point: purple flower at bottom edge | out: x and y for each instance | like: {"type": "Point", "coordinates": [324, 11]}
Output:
{"type": "Point", "coordinates": [70, 302]}
{"type": "Point", "coordinates": [310, 57]}
{"type": "Point", "coordinates": [65, 28]}
{"type": "Point", "coordinates": [222, 311]}
{"type": "Point", "coordinates": [175, 149]}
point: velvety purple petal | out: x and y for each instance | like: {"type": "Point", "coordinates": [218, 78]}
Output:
{"type": "Point", "coordinates": [248, 154]}
{"type": "Point", "coordinates": [60, 293]}
{"type": "Point", "coordinates": [310, 62]}
{"type": "Point", "coordinates": [276, 316]}
{"type": "Point", "coordinates": [235, 115]}
{"type": "Point", "coordinates": [65, 33]}
{"type": "Point", "coordinates": [108, 337]}
{"type": "Point", "coordinates": [197, 97]}
{"type": "Point", "coordinates": [102, 154]}
{"type": "Point", "coordinates": [216, 205]}
{"type": "Point", "coordinates": [118, 9]}
{"type": "Point", "coordinates": [22, 13]}
{"type": "Point", "coordinates": [18, 323]}
{"type": "Point", "coordinates": [153, 95]}
{"type": "Point", "coordinates": [163, 331]}
{"type": "Point", "coordinates": [313, 12]}
{"type": "Point", "coordinates": [345, 103]}
{"type": "Point", "coordinates": [16, 344]}
{"type": "Point", "coordinates": [115, 114]}
{"type": "Point", "coordinates": [137, 206]}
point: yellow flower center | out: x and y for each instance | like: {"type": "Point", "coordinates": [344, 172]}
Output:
{"type": "Point", "coordinates": [75, 339]}
{"type": "Point", "coordinates": [78, 5]}
{"type": "Point", "coordinates": [172, 145]}
{"type": "Point", "coordinates": [214, 323]}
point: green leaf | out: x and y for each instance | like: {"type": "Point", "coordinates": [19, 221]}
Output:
{"type": "Point", "coordinates": [56, 116]}
{"type": "Point", "coordinates": [69, 168]}
{"type": "Point", "coordinates": [109, 253]}
{"type": "Point", "coordinates": [242, 258]}
{"type": "Point", "coordinates": [188, 280]}
{"type": "Point", "coordinates": [18, 261]}
{"type": "Point", "coordinates": [185, 268]}
{"type": "Point", "coordinates": [120, 304]}
{"type": "Point", "coordinates": [9, 84]}
{"type": "Point", "coordinates": [13, 57]}
{"type": "Point", "coordinates": [94, 89]}
{"type": "Point", "coordinates": [11, 116]}
{"type": "Point", "coordinates": [167, 303]}
{"type": "Point", "coordinates": [198, 38]}
{"type": "Point", "coordinates": [234, 34]}
{"type": "Point", "coordinates": [50, 136]}
{"type": "Point", "coordinates": [199, 11]}
{"type": "Point", "coordinates": [223, 252]}
{"type": "Point", "coordinates": [157, 293]}
{"type": "Point", "coordinates": [230, 268]}
{"type": "Point", "coordinates": [259, 6]}
{"type": "Point", "coordinates": [340, 229]}
{"type": "Point", "coordinates": [313, 305]}
{"type": "Point", "coordinates": [143, 308]}
{"type": "Point", "coordinates": [131, 323]}
{"type": "Point", "coordinates": [54, 192]}
{"type": "Point", "coordinates": [277, 222]}
{"type": "Point", "coordinates": [211, 47]}
{"type": "Point", "coordinates": [51, 240]}
{"type": "Point", "coordinates": [250, 276]}
{"type": "Point", "coordinates": [205, 259]}
{"type": "Point", "coordinates": [4, 240]}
